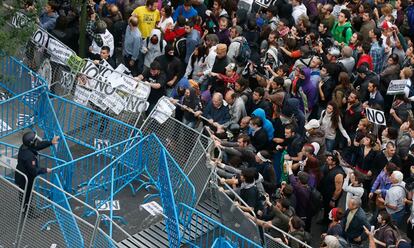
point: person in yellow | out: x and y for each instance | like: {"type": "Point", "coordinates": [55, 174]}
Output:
{"type": "Point", "coordinates": [148, 17]}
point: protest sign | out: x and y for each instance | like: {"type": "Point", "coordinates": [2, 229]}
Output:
{"type": "Point", "coordinates": [40, 37]}
{"type": "Point", "coordinates": [115, 103]}
{"type": "Point", "coordinates": [45, 71]}
{"type": "Point", "coordinates": [67, 80]}
{"type": "Point", "coordinates": [81, 95]}
{"type": "Point", "coordinates": [376, 116]}
{"type": "Point", "coordinates": [20, 20]}
{"type": "Point", "coordinates": [58, 51]}
{"type": "Point", "coordinates": [396, 87]}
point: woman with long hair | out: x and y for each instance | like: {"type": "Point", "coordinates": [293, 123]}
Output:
{"type": "Point", "coordinates": [196, 64]}
{"type": "Point", "coordinates": [330, 121]}
{"type": "Point", "coordinates": [342, 90]}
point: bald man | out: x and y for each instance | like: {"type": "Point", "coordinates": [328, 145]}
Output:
{"type": "Point", "coordinates": [219, 67]}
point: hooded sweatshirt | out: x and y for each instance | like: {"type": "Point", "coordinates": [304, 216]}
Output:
{"type": "Point", "coordinates": [309, 90]}
{"type": "Point", "coordinates": [267, 125]}
{"type": "Point", "coordinates": [153, 50]}
{"type": "Point", "coordinates": [338, 32]}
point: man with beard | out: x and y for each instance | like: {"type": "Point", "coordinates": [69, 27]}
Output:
{"type": "Point", "coordinates": [157, 79]}
{"type": "Point", "coordinates": [171, 66]}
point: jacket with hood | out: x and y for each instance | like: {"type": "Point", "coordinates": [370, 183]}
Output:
{"type": "Point", "coordinates": [152, 51]}
{"type": "Point", "coordinates": [338, 32]}
{"type": "Point", "coordinates": [309, 90]}
{"type": "Point", "coordinates": [267, 125]}
{"type": "Point", "coordinates": [193, 102]}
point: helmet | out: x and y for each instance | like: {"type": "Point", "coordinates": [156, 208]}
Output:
{"type": "Point", "coordinates": [29, 138]}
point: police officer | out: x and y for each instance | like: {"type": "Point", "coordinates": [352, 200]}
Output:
{"type": "Point", "coordinates": [27, 162]}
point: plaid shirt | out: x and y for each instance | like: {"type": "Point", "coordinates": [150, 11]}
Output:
{"type": "Point", "coordinates": [90, 30]}
{"type": "Point", "coordinates": [377, 53]}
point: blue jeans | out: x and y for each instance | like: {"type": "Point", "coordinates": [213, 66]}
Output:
{"type": "Point", "coordinates": [398, 217]}
{"type": "Point", "coordinates": [330, 145]}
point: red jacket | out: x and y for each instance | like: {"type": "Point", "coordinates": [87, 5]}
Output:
{"type": "Point", "coordinates": [176, 34]}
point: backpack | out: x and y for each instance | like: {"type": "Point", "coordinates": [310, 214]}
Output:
{"type": "Point", "coordinates": [244, 52]}
{"type": "Point", "coordinates": [315, 204]}
{"type": "Point", "coordinates": [345, 30]}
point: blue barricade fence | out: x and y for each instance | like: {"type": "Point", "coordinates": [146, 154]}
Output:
{"type": "Point", "coordinates": [223, 243]}
{"type": "Point", "coordinates": [19, 112]}
{"type": "Point", "coordinates": [211, 230]}
{"type": "Point", "coordinates": [68, 225]}
{"type": "Point", "coordinates": [16, 77]}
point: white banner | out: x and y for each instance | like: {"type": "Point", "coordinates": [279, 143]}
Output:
{"type": "Point", "coordinates": [40, 37]}
{"type": "Point", "coordinates": [264, 3]}
{"type": "Point", "coordinates": [59, 52]}
{"type": "Point", "coordinates": [376, 116]}
{"type": "Point", "coordinates": [19, 20]}
{"type": "Point", "coordinates": [67, 80]}
{"type": "Point", "coordinates": [81, 95]}
{"type": "Point", "coordinates": [143, 90]}
{"type": "Point", "coordinates": [115, 103]}
{"type": "Point", "coordinates": [8, 161]}
{"type": "Point", "coordinates": [98, 99]}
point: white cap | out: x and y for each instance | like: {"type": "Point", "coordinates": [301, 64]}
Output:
{"type": "Point", "coordinates": [312, 124]}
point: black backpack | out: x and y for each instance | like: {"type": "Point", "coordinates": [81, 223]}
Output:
{"type": "Point", "coordinates": [315, 204]}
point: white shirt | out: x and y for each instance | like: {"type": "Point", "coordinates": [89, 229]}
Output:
{"type": "Point", "coordinates": [298, 11]}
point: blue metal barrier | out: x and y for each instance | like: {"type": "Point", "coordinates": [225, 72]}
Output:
{"type": "Point", "coordinates": [65, 218]}
{"type": "Point", "coordinates": [19, 112]}
{"type": "Point", "coordinates": [223, 243]}
{"type": "Point", "coordinates": [86, 167]}
{"type": "Point", "coordinates": [211, 230]}
{"type": "Point", "coordinates": [85, 126]}
{"type": "Point", "coordinates": [16, 77]}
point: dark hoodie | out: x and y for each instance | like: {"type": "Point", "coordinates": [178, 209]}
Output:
{"type": "Point", "coordinates": [193, 102]}
{"type": "Point", "coordinates": [171, 65]}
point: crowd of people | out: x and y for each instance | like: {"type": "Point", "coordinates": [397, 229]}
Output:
{"type": "Point", "coordinates": [285, 88]}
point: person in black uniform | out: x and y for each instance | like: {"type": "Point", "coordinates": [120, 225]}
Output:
{"type": "Point", "coordinates": [27, 162]}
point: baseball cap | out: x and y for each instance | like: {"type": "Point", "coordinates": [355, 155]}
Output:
{"type": "Point", "coordinates": [312, 124]}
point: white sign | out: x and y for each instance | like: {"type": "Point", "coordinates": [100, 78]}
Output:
{"type": "Point", "coordinates": [135, 104]}
{"type": "Point", "coordinates": [106, 206]}
{"type": "Point", "coordinates": [264, 3]}
{"type": "Point", "coordinates": [24, 120]}
{"type": "Point", "coordinates": [67, 80]}
{"type": "Point", "coordinates": [59, 52]}
{"type": "Point", "coordinates": [166, 106]}
{"type": "Point", "coordinates": [396, 87]}
{"type": "Point", "coordinates": [101, 144]}
{"type": "Point", "coordinates": [19, 20]}
{"type": "Point", "coordinates": [82, 95]}
{"type": "Point", "coordinates": [143, 90]}
{"type": "Point", "coordinates": [97, 99]}
{"type": "Point", "coordinates": [45, 71]}
{"type": "Point", "coordinates": [160, 117]}
{"type": "Point", "coordinates": [40, 37]}
{"type": "Point", "coordinates": [376, 116]}
{"type": "Point", "coordinates": [115, 103]}
{"type": "Point", "coordinates": [4, 126]}
{"type": "Point", "coordinates": [152, 207]}
{"type": "Point", "coordinates": [8, 161]}
{"type": "Point", "coordinates": [3, 96]}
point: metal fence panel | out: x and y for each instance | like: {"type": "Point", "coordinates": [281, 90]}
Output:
{"type": "Point", "coordinates": [271, 242]}
{"type": "Point", "coordinates": [234, 218]}
{"type": "Point", "coordinates": [206, 230]}
{"type": "Point", "coordinates": [40, 227]}
{"type": "Point", "coordinates": [11, 206]}
{"type": "Point", "coordinates": [18, 112]}
{"type": "Point", "coordinates": [168, 203]}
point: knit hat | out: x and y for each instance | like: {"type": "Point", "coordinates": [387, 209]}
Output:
{"type": "Point", "coordinates": [331, 241]}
